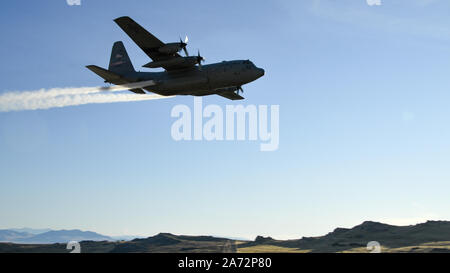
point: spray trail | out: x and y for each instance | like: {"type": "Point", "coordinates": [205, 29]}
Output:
{"type": "Point", "coordinates": [71, 100]}
{"type": "Point", "coordinates": [53, 92]}
{"type": "Point", "coordinates": [62, 97]}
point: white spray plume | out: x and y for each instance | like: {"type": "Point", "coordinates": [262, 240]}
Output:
{"type": "Point", "coordinates": [61, 97]}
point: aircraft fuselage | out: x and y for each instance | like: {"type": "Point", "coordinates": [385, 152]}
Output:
{"type": "Point", "coordinates": [196, 81]}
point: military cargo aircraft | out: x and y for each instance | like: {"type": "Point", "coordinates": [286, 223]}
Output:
{"type": "Point", "coordinates": [183, 75]}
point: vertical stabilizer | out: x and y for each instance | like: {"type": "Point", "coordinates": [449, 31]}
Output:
{"type": "Point", "coordinates": [120, 63]}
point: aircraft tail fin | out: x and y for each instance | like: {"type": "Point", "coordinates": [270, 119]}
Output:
{"type": "Point", "coordinates": [120, 63]}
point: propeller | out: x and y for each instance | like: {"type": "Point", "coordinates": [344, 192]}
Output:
{"type": "Point", "coordinates": [239, 89]}
{"type": "Point", "coordinates": [184, 44]}
{"type": "Point", "coordinates": [200, 59]}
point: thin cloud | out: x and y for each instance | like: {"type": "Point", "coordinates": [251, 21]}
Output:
{"type": "Point", "coordinates": [377, 19]}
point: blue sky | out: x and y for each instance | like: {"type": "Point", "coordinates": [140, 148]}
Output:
{"type": "Point", "coordinates": [364, 120]}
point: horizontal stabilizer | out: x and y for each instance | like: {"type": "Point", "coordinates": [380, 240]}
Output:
{"type": "Point", "coordinates": [120, 83]}
{"type": "Point", "coordinates": [106, 75]}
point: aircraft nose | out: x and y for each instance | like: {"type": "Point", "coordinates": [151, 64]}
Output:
{"type": "Point", "coordinates": [260, 72]}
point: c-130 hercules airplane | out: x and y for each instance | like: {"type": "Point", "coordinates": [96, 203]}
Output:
{"type": "Point", "coordinates": [182, 75]}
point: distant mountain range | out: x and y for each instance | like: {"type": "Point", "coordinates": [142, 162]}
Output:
{"type": "Point", "coordinates": [31, 230]}
{"type": "Point", "coordinates": [432, 236]}
{"type": "Point", "coordinates": [47, 236]}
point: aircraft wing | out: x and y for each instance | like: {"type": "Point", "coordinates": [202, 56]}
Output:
{"type": "Point", "coordinates": [145, 40]}
{"type": "Point", "coordinates": [231, 95]}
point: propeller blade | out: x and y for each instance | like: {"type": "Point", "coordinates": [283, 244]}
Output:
{"type": "Point", "coordinates": [200, 59]}
{"type": "Point", "coordinates": [184, 44]}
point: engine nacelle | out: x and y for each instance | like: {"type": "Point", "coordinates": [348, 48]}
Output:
{"type": "Point", "coordinates": [171, 48]}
